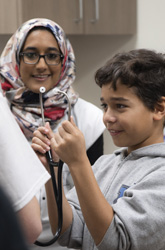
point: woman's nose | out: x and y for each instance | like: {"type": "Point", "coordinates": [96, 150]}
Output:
{"type": "Point", "coordinates": [41, 63]}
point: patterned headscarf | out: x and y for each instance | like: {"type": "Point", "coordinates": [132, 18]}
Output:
{"type": "Point", "coordinates": [24, 103]}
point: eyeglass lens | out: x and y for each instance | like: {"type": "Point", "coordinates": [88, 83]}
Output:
{"type": "Point", "coordinates": [33, 58]}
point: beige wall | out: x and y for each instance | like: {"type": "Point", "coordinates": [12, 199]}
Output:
{"type": "Point", "coordinates": [93, 51]}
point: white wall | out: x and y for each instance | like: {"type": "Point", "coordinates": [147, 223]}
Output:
{"type": "Point", "coordinates": [93, 51]}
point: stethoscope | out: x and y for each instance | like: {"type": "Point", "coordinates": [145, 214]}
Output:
{"type": "Point", "coordinates": [56, 188]}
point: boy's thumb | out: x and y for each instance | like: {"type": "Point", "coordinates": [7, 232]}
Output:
{"type": "Point", "coordinates": [72, 121]}
{"type": "Point", "coordinates": [47, 125]}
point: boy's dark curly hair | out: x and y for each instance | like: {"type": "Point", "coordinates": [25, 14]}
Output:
{"type": "Point", "coordinates": [141, 69]}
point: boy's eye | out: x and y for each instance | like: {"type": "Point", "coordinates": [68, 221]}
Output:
{"type": "Point", "coordinates": [104, 106]}
{"type": "Point", "coordinates": [120, 106]}
{"type": "Point", "coordinates": [117, 106]}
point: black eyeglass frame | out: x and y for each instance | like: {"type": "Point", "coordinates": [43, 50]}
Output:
{"type": "Point", "coordinates": [41, 56]}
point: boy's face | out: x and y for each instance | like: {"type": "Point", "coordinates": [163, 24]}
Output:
{"type": "Point", "coordinates": [129, 122]}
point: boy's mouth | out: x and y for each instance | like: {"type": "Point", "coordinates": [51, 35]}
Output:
{"type": "Point", "coordinates": [114, 132]}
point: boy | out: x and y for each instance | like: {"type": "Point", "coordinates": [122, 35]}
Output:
{"type": "Point", "coordinates": [119, 203]}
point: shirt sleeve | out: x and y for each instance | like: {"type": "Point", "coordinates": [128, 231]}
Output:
{"type": "Point", "coordinates": [22, 174]}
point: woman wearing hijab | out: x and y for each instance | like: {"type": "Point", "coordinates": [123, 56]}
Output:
{"type": "Point", "coordinates": [39, 55]}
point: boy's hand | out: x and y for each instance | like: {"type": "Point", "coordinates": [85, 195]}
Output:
{"type": "Point", "coordinates": [41, 143]}
{"type": "Point", "coordinates": [69, 143]}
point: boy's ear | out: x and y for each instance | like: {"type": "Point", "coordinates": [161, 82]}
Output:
{"type": "Point", "coordinates": [159, 112]}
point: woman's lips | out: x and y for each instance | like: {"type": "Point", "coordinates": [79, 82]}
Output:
{"type": "Point", "coordinates": [41, 77]}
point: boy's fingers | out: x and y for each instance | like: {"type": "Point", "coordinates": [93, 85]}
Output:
{"type": "Point", "coordinates": [39, 145]}
{"type": "Point", "coordinates": [42, 136]}
{"type": "Point", "coordinates": [69, 126]}
{"type": "Point", "coordinates": [38, 148]}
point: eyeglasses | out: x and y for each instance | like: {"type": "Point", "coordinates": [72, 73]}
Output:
{"type": "Point", "coordinates": [33, 58]}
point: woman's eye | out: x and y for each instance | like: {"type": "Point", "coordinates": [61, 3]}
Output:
{"type": "Point", "coordinates": [52, 56]}
{"type": "Point", "coordinates": [31, 55]}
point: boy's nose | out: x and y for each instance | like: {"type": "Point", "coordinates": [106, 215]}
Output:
{"type": "Point", "coordinates": [109, 117]}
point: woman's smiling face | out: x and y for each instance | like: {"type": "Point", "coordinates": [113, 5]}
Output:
{"type": "Point", "coordinates": [40, 74]}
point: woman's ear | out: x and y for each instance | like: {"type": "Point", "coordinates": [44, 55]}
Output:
{"type": "Point", "coordinates": [159, 111]}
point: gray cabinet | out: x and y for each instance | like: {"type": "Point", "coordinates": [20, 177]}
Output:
{"type": "Point", "coordinates": [104, 17]}
{"type": "Point", "coordinates": [8, 16]}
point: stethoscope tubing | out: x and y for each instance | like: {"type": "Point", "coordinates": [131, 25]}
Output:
{"type": "Point", "coordinates": [57, 188]}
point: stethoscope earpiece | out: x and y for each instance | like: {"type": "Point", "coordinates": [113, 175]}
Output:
{"type": "Point", "coordinates": [42, 90]}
